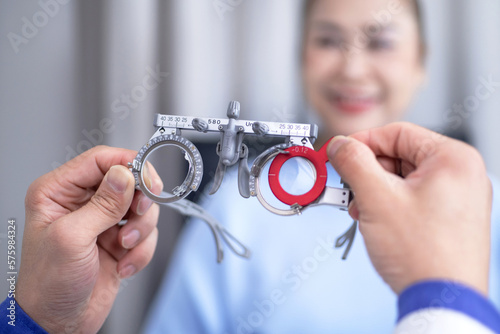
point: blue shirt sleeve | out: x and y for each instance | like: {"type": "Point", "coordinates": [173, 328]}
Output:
{"type": "Point", "coordinates": [14, 320]}
{"type": "Point", "coordinates": [450, 296]}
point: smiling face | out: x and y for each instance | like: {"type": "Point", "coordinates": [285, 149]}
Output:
{"type": "Point", "coordinates": [362, 62]}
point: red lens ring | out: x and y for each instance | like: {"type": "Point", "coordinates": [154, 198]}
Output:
{"type": "Point", "coordinates": [318, 160]}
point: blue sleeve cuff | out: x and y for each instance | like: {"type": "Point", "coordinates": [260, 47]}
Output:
{"type": "Point", "coordinates": [14, 320]}
{"type": "Point", "coordinates": [449, 295]}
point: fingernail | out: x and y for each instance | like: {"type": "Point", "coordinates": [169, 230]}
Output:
{"type": "Point", "coordinates": [127, 271]}
{"type": "Point", "coordinates": [117, 179]}
{"type": "Point", "coordinates": [336, 143]}
{"type": "Point", "coordinates": [147, 176]}
{"type": "Point", "coordinates": [143, 206]}
{"type": "Point", "coordinates": [130, 239]}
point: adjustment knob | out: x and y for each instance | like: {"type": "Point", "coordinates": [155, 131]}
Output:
{"type": "Point", "coordinates": [200, 125]}
{"type": "Point", "coordinates": [260, 129]}
{"type": "Point", "coordinates": [233, 110]}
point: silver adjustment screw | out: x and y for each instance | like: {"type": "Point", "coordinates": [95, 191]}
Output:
{"type": "Point", "coordinates": [260, 129]}
{"type": "Point", "coordinates": [233, 110]}
{"type": "Point", "coordinates": [200, 125]}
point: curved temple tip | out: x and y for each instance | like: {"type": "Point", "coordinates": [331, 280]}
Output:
{"type": "Point", "coordinates": [189, 208]}
{"type": "Point", "coordinates": [236, 246]}
{"type": "Point", "coordinates": [220, 255]}
{"type": "Point", "coordinates": [348, 237]}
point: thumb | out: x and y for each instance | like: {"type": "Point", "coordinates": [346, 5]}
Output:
{"type": "Point", "coordinates": [358, 166]}
{"type": "Point", "coordinates": [108, 205]}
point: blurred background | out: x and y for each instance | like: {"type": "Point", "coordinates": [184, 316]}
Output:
{"type": "Point", "coordinates": [72, 76]}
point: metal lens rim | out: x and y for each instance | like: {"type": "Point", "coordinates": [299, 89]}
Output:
{"type": "Point", "coordinates": [258, 166]}
{"type": "Point", "coordinates": [190, 175]}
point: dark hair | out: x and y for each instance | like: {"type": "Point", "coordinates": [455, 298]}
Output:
{"type": "Point", "coordinates": [417, 7]}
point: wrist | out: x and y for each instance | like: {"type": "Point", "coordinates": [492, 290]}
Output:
{"type": "Point", "coordinates": [16, 320]}
{"type": "Point", "coordinates": [479, 285]}
{"type": "Point", "coordinates": [35, 308]}
{"type": "Point", "coordinates": [426, 259]}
